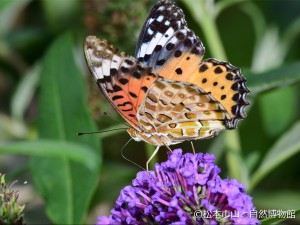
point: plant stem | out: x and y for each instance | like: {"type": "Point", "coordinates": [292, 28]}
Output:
{"type": "Point", "coordinates": [203, 12]}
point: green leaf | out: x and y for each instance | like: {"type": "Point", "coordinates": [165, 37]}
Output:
{"type": "Point", "coordinates": [9, 11]}
{"type": "Point", "coordinates": [278, 110]}
{"type": "Point", "coordinates": [11, 128]}
{"type": "Point", "coordinates": [57, 11]}
{"type": "Point", "coordinates": [217, 147]}
{"type": "Point", "coordinates": [276, 220]}
{"type": "Point", "coordinates": [287, 146]}
{"type": "Point", "coordinates": [73, 151]}
{"type": "Point", "coordinates": [278, 200]}
{"type": "Point", "coordinates": [25, 91]}
{"type": "Point", "coordinates": [283, 199]}
{"type": "Point", "coordinates": [236, 165]}
{"type": "Point", "coordinates": [279, 77]}
{"type": "Point", "coordinates": [67, 187]}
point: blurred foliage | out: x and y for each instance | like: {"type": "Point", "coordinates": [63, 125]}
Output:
{"type": "Point", "coordinates": [10, 211]}
{"type": "Point", "coordinates": [47, 95]}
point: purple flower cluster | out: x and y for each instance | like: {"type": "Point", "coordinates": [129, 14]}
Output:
{"type": "Point", "coordinates": [186, 189]}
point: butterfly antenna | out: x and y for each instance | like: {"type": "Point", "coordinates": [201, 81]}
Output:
{"type": "Point", "coordinates": [127, 158]}
{"type": "Point", "coordinates": [99, 132]}
{"type": "Point", "coordinates": [116, 119]}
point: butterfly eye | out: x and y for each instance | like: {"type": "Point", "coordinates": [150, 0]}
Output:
{"type": "Point", "coordinates": [132, 132]}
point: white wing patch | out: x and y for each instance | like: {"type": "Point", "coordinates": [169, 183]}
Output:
{"type": "Point", "coordinates": [165, 34]}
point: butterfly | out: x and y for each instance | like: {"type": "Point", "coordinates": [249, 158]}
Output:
{"type": "Point", "coordinates": [167, 93]}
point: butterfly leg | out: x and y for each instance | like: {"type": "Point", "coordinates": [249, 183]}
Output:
{"type": "Point", "coordinates": [151, 157]}
{"type": "Point", "coordinates": [193, 148]}
{"type": "Point", "coordinates": [168, 147]}
{"type": "Point", "coordinates": [122, 153]}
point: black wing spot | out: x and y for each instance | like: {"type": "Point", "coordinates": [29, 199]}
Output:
{"type": "Point", "coordinates": [215, 83]}
{"type": "Point", "coordinates": [132, 94]}
{"type": "Point", "coordinates": [129, 62]}
{"type": "Point", "coordinates": [203, 68]}
{"type": "Point", "coordinates": [157, 48]}
{"type": "Point", "coordinates": [136, 74]}
{"type": "Point", "coordinates": [195, 50]}
{"type": "Point", "coordinates": [187, 42]}
{"type": "Point", "coordinates": [117, 88]}
{"type": "Point", "coordinates": [147, 57]}
{"type": "Point", "coordinates": [124, 69]}
{"type": "Point", "coordinates": [223, 97]}
{"type": "Point", "coordinates": [124, 104]}
{"type": "Point", "coordinates": [177, 53]}
{"type": "Point", "coordinates": [113, 71]}
{"type": "Point", "coordinates": [236, 97]}
{"type": "Point", "coordinates": [117, 97]}
{"type": "Point", "coordinates": [140, 68]}
{"type": "Point", "coordinates": [170, 46]}
{"type": "Point", "coordinates": [160, 62]}
{"type": "Point", "coordinates": [100, 81]}
{"type": "Point", "coordinates": [180, 36]}
{"type": "Point", "coordinates": [145, 89]}
{"type": "Point", "coordinates": [178, 71]}
{"type": "Point", "coordinates": [107, 79]}
{"type": "Point", "coordinates": [123, 81]}
{"type": "Point", "coordinates": [204, 80]}
{"type": "Point", "coordinates": [218, 70]}
{"type": "Point", "coordinates": [229, 76]}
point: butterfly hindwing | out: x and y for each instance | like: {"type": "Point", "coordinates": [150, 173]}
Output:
{"type": "Point", "coordinates": [122, 79]}
{"type": "Point", "coordinates": [181, 110]}
{"type": "Point", "coordinates": [222, 80]}
{"type": "Point", "coordinates": [226, 83]}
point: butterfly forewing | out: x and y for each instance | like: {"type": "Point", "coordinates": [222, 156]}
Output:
{"type": "Point", "coordinates": [166, 39]}
{"type": "Point", "coordinates": [169, 94]}
{"type": "Point", "coordinates": [121, 79]}
{"type": "Point", "coordinates": [175, 52]}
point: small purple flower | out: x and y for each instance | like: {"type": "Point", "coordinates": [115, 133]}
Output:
{"type": "Point", "coordinates": [186, 189]}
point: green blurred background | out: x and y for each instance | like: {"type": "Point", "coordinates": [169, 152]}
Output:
{"type": "Point", "coordinates": [47, 95]}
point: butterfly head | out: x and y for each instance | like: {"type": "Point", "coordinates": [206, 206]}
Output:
{"type": "Point", "coordinates": [143, 136]}
{"type": "Point", "coordinates": [134, 134]}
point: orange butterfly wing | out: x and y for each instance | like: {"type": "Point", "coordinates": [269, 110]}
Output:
{"type": "Point", "coordinates": [176, 53]}
{"type": "Point", "coordinates": [122, 80]}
